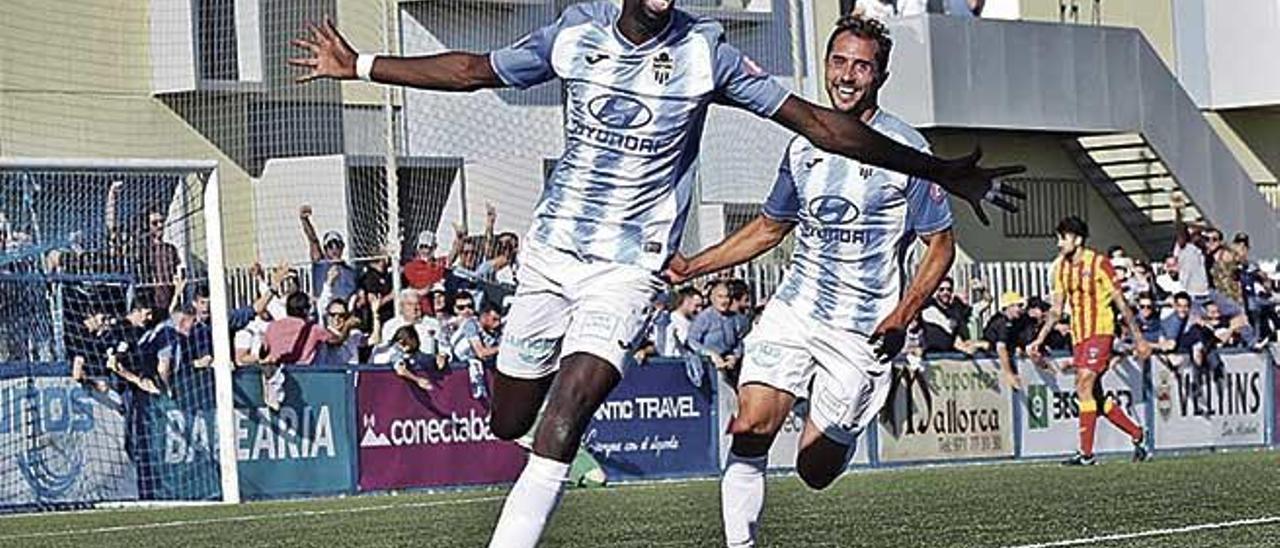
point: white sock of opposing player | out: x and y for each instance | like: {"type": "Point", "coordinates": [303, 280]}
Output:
{"type": "Point", "coordinates": [742, 498]}
{"type": "Point", "coordinates": [530, 503]}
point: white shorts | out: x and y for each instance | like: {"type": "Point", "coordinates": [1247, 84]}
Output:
{"type": "Point", "coordinates": [564, 305]}
{"type": "Point", "coordinates": [836, 370]}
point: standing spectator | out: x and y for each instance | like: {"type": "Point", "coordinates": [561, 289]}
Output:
{"type": "Point", "coordinates": [290, 340]}
{"type": "Point", "coordinates": [1169, 282]}
{"type": "Point", "coordinates": [376, 283]}
{"type": "Point", "coordinates": [475, 345]}
{"type": "Point", "coordinates": [1005, 332]}
{"type": "Point", "coordinates": [945, 319]}
{"type": "Point", "coordinates": [740, 306]}
{"type": "Point", "coordinates": [1258, 296]}
{"type": "Point", "coordinates": [326, 255]}
{"type": "Point", "coordinates": [404, 353]}
{"type": "Point", "coordinates": [1059, 340]}
{"type": "Point", "coordinates": [425, 269]}
{"type": "Point", "coordinates": [688, 304]}
{"type": "Point", "coordinates": [350, 341]}
{"type": "Point", "coordinates": [1176, 329]}
{"type": "Point", "coordinates": [410, 307]}
{"type": "Point", "coordinates": [248, 341]}
{"type": "Point", "coordinates": [295, 338]}
{"type": "Point", "coordinates": [1190, 255]}
{"type": "Point", "coordinates": [714, 334]}
{"type": "Point", "coordinates": [502, 267]}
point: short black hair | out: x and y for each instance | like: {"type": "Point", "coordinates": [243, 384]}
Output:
{"type": "Point", "coordinates": [406, 333]}
{"type": "Point", "coordinates": [865, 27]}
{"type": "Point", "coordinates": [1072, 225]}
{"type": "Point", "coordinates": [738, 289]}
{"type": "Point", "coordinates": [1182, 296]}
{"type": "Point", "coordinates": [297, 305]}
{"type": "Point", "coordinates": [685, 294]}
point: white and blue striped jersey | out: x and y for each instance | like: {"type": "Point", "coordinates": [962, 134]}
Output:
{"type": "Point", "coordinates": [855, 224]}
{"type": "Point", "coordinates": [633, 125]}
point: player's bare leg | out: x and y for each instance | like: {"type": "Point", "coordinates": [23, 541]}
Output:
{"type": "Point", "coordinates": [583, 383]}
{"type": "Point", "coordinates": [821, 459]}
{"type": "Point", "coordinates": [761, 412]}
{"type": "Point", "coordinates": [516, 403]}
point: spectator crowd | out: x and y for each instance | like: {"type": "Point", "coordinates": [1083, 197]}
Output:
{"type": "Point", "coordinates": [1207, 294]}
{"type": "Point", "coordinates": [445, 313]}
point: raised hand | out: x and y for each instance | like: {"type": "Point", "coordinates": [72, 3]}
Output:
{"type": "Point", "coordinates": [677, 271]}
{"type": "Point", "coordinates": [304, 212]}
{"type": "Point", "coordinates": [331, 55]}
{"type": "Point", "coordinates": [975, 184]}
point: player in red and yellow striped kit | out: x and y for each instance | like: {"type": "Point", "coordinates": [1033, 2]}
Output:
{"type": "Point", "coordinates": [1084, 279]}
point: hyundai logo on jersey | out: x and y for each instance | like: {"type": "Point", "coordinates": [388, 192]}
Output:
{"type": "Point", "coordinates": [620, 112]}
{"type": "Point", "coordinates": [833, 210]}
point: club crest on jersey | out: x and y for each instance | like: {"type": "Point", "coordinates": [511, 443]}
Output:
{"type": "Point", "coordinates": [663, 66]}
{"type": "Point", "coordinates": [936, 193]}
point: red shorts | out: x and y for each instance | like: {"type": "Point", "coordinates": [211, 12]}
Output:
{"type": "Point", "coordinates": [1094, 353]}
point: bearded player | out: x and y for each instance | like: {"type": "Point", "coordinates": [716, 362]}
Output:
{"type": "Point", "coordinates": [1085, 279]}
{"type": "Point", "coordinates": [840, 314]}
{"type": "Point", "coordinates": [638, 81]}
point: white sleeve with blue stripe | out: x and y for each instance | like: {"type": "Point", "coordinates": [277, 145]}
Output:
{"type": "Point", "coordinates": [527, 62]}
{"type": "Point", "coordinates": [743, 83]}
{"type": "Point", "coordinates": [783, 204]}
{"type": "Point", "coordinates": [928, 209]}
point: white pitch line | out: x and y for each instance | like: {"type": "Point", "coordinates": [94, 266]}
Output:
{"type": "Point", "coordinates": [297, 513]}
{"type": "Point", "coordinates": [1157, 532]}
{"type": "Point", "coordinates": [252, 517]}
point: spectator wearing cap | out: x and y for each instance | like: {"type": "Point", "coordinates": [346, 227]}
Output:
{"type": "Point", "coordinates": [327, 254]}
{"type": "Point", "coordinates": [1005, 333]}
{"type": "Point", "coordinates": [425, 269]}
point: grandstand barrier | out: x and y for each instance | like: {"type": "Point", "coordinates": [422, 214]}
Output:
{"type": "Point", "coordinates": [947, 410]}
{"type": "Point", "coordinates": [1274, 425]}
{"type": "Point", "coordinates": [1050, 408]}
{"type": "Point", "coordinates": [64, 445]}
{"type": "Point", "coordinates": [412, 439]}
{"type": "Point", "coordinates": [1215, 406]}
{"type": "Point", "coordinates": [308, 446]}
{"type": "Point", "coordinates": [660, 422]}
{"type": "Point", "coordinates": [344, 430]}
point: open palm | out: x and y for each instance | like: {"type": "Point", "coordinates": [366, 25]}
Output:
{"type": "Point", "coordinates": [975, 184]}
{"type": "Point", "coordinates": [331, 55]}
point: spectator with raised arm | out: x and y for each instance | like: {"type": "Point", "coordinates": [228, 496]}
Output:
{"type": "Point", "coordinates": [327, 254]}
